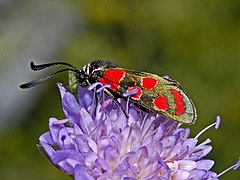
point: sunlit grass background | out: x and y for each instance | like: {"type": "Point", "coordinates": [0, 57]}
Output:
{"type": "Point", "coordinates": [195, 42]}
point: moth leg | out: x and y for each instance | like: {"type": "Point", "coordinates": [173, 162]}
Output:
{"type": "Point", "coordinates": [97, 100]}
{"type": "Point", "coordinates": [116, 101]}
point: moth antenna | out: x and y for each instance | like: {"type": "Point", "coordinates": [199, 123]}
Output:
{"type": "Point", "coordinates": [36, 82]}
{"type": "Point", "coordinates": [35, 67]}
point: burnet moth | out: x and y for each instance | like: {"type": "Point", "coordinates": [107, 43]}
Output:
{"type": "Point", "coordinates": [153, 92]}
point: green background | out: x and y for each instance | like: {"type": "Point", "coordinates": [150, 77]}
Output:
{"type": "Point", "coordinates": [194, 42]}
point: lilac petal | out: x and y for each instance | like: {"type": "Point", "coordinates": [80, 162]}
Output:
{"type": "Point", "coordinates": [111, 156]}
{"type": "Point", "coordinates": [205, 151]}
{"type": "Point", "coordinates": [205, 164]}
{"type": "Point", "coordinates": [115, 142]}
{"type": "Point", "coordinates": [81, 142]}
{"type": "Point", "coordinates": [181, 175]}
{"type": "Point", "coordinates": [199, 153]}
{"type": "Point", "coordinates": [210, 176]}
{"type": "Point", "coordinates": [170, 127]}
{"type": "Point", "coordinates": [48, 149]}
{"type": "Point", "coordinates": [159, 134]}
{"type": "Point", "coordinates": [187, 165]}
{"type": "Point", "coordinates": [65, 141]}
{"type": "Point", "coordinates": [92, 145]}
{"type": "Point", "coordinates": [140, 153]}
{"type": "Point", "coordinates": [72, 162]}
{"type": "Point", "coordinates": [85, 97]}
{"type": "Point", "coordinates": [198, 174]}
{"type": "Point", "coordinates": [165, 166]}
{"type": "Point", "coordinates": [124, 169]}
{"type": "Point", "coordinates": [191, 143]}
{"type": "Point", "coordinates": [103, 165]}
{"type": "Point", "coordinates": [133, 116]}
{"type": "Point", "coordinates": [63, 121]}
{"type": "Point", "coordinates": [46, 138]}
{"type": "Point", "coordinates": [97, 172]}
{"type": "Point", "coordinates": [71, 106]}
{"type": "Point", "coordinates": [175, 152]}
{"type": "Point", "coordinates": [77, 130]}
{"type": "Point", "coordinates": [62, 155]}
{"type": "Point", "coordinates": [86, 123]}
{"type": "Point", "coordinates": [54, 130]}
{"type": "Point", "coordinates": [168, 141]}
{"type": "Point", "coordinates": [102, 143]}
{"type": "Point", "coordinates": [80, 173]}
{"type": "Point", "coordinates": [90, 159]}
{"type": "Point", "coordinates": [63, 91]}
{"type": "Point", "coordinates": [184, 151]}
{"type": "Point", "coordinates": [183, 133]}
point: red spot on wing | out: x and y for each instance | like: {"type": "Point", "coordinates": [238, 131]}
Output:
{"type": "Point", "coordinates": [161, 103]}
{"type": "Point", "coordinates": [112, 77]}
{"type": "Point", "coordinates": [137, 95]}
{"type": "Point", "coordinates": [148, 83]}
{"type": "Point", "coordinates": [178, 98]}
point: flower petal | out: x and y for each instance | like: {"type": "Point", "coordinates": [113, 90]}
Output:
{"type": "Point", "coordinates": [111, 156]}
{"type": "Point", "coordinates": [80, 173]}
{"type": "Point", "coordinates": [46, 138]}
{"type": "Point", "coordinates": [181, 175]}
{"type": "Point", "coordinates": [187, 165]}
{"type": "Point", "coordinates": [72, 108]}
{"type": "Point", "coordinates": [205, 164]}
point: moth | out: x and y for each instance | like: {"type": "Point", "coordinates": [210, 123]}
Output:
{"type": "Point", "coordinates": [153, 92]}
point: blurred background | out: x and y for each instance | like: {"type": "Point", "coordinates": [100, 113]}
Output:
{"type": "Point", "coordinates": [195, 43]}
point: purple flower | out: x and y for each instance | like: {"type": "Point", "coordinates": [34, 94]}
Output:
{"type": "Point", "coordinates": [97, 141]}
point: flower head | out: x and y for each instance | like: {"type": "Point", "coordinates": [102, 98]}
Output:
{"type": "Point", "coordinates": [97, 141]}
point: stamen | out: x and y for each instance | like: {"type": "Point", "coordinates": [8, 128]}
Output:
{"type": "Point", "coordinates": [129, 93]}
{"type": "Point", "coordinates": [103, 87]}
{"type": "Point", "coordinates": [207, 141]}
{"type": "Point", "coordinates": [216, 124]}
{"type": "Point", "coordinates": [166, 76]}
{"type": "Point", "coordinates": [91, 87]}
{"type": "Point", "coordinates": [235, 167]}
{"type": "Point", "coordinates": [218, 121]}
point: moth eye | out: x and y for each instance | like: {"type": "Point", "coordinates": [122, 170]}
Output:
{"type": "Point", "coordinates": [82, 76]}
